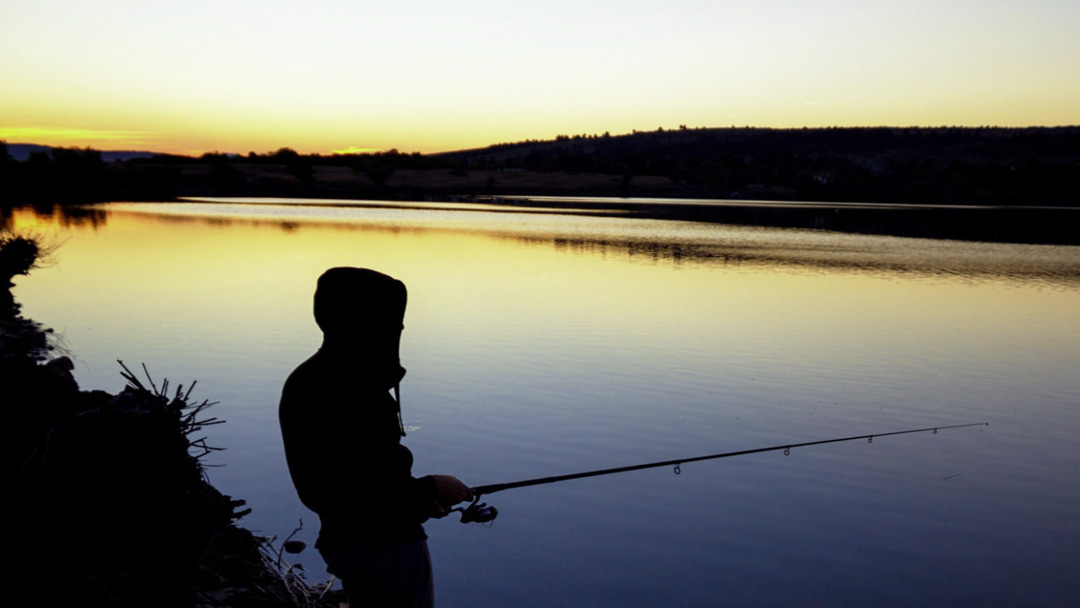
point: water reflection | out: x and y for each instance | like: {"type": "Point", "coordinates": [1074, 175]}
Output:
{"type": "Point", "coordinates": [634, 238]}
{"type": "Point", "coordinates": [51, 216]}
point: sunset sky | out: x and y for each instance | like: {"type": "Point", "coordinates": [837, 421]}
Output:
{"type": "Point", "coordinates": [332, 75]}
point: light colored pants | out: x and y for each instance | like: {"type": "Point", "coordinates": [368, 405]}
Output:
{"type": "Point", "coordinates": [397, 576]}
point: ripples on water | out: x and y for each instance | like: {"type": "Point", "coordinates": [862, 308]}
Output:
{"type": "Point", "coordinates": [589, 230]}
{"type": "Point", "coordinates": [546, 343]}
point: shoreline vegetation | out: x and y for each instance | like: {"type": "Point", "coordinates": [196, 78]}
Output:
{"type": "Point", "coordinates": [996, 184]}
{"type": "Point", "coordinates": [109, 503]}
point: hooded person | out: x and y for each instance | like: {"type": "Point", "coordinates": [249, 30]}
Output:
{"type": "Point", "coordinates": [342, 432]}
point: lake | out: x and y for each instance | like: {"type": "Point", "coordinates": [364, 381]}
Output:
{"type": "Point", "coordinates": [557, 341]}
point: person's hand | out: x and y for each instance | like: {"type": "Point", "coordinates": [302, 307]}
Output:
{"type": "Point", "coordinates": [449, 491]}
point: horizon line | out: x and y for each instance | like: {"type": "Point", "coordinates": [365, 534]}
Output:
{"type": "Point", "coordinates": [357, 150]}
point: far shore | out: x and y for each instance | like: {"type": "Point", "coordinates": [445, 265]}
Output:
{"type": "Point", "coordinates": [990, 223]}
{"type": "Point", "coordinates": [987, 184]}
{"type": "Point", "coordinates": [1004, 224]}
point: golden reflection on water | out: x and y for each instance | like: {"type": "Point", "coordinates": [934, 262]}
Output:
{"type": "Point", "coordinates": [480, 272]}
{"type": "Point", "coordinates": [607, 235]}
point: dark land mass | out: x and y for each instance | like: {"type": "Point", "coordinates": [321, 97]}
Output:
{"type": "Point", "coordinates": [1028, 168]}
{"type": "Point", "coordinates": [22, 152]}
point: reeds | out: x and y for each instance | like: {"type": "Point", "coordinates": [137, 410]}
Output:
{"type": "Point", "coordinates": [179, 405]}
{"type": "Point", "coordinates": [291, 576]}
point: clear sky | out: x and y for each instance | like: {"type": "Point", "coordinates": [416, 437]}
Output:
{"type": "Point", "coordinates": [324, 75]}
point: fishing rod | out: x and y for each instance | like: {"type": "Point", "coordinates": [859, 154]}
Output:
{"type": "Point", "coordinates": [481, 513]}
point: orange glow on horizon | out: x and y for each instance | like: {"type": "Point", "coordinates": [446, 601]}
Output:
{"type": "Point", "coordinates": [430, 77]}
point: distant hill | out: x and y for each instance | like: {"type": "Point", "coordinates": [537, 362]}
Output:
{"type": "Point", "coordinates": [1029, 167]}
{"type": "Point", "coordinates": [22, 152]}
{"type": "Point", "coordinates": [676, 152]}
{"type": "Point", "coordinates": [947, 165]}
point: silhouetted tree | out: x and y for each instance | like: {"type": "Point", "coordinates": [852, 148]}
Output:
{"type": "Point", "coordinates": [75, 160]}
{"type": "Point", "coordinates": [284, 155]}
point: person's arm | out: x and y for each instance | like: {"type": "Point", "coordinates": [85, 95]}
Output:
{"type": "Point", "coordinates": [414, 498]}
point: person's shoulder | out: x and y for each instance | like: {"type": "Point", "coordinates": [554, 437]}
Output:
{"type": "Point", "coordinates": [304, 378]}
{"type": "Point", "coordinates": [313, 367]}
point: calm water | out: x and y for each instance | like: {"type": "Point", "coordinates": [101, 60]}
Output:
{"type": "Point", "coordinates": [540, 344]}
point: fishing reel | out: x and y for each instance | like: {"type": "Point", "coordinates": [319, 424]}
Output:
{"type": "Point", "coordinates": [478, 512]}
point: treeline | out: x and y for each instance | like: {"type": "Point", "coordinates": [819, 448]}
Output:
{"type": "Point", "coordinates": [1029, 166]}
{"type": "Point", "coordinates": [990, 166]}
{"type": "Point", "coordinates": [69, 174]}
{"type": "Point", "coordinates": [74, 175]}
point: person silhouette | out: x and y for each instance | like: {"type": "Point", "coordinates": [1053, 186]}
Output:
{"type": "Point", "coordinates": [342, 432]}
